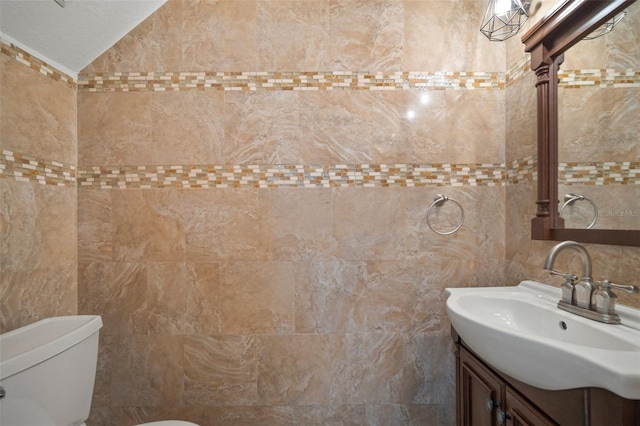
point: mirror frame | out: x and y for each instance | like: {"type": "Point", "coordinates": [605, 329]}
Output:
{"type": "Point", "coordinates": [563, 27]}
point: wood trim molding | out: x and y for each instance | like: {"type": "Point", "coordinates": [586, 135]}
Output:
{"type": "Point", "coordinates": [546, 41]}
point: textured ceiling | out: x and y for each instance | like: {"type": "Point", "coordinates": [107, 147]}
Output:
{"type": "Point", "coordinates": [70, 37]}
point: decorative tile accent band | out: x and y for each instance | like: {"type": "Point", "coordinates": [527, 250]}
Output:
{"type": "Point", "coordinates": [522, 170]}
{"type": "Point", "coordinates": [577, 79]}
{"type": "Point", "coordinates": [36, 64]}
{"type": "Point", "coordinates": [29, 169]}
{"type": "Point", "coordinates": [600, 173]}
{"type": "Point", "coordinates": [343, 80]}
{"type": "Point", "coordinates": [292, 176]}
{"type": "Point", "coordinates": [313, 80]}
{"type": "Point", "coordinates": [317, 80]}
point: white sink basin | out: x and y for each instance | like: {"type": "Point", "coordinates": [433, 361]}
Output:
{"type": "Point", "coordinates": [521, 332]}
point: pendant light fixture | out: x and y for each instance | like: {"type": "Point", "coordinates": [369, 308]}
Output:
{"type": "Point", "coordinates": [607, 27]}
{"type": "Point", "coordinates": [504, 18]}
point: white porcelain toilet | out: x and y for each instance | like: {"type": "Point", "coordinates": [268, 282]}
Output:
{"type": "Point", "coordinates": [47, 373]}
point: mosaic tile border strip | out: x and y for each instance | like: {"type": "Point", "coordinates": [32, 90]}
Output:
{"type": "Point", "coordinates": [599, 173]}
{"type": "Point", "coordinates": [343, 80]}
{"type": "Point", "coordinates": [24, 168]}
{"type": "Point", "coordinates": [292, 176]}
{"type": "Point", "coordinates": [522, 170]}
{"type": "Point", "coordinates": [313, 80]}
{"type": "Point", "coordinates": [36, 64]}
{"type": "Point", "coordinates": [612, 78]}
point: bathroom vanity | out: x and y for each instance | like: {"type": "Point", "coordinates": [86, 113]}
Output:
{"type": "Point", "coordinates": [486, 396]}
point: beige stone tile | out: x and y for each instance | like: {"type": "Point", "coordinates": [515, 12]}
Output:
{"type": "Point", "coordinates": [402, 297]}
{"type": "Point", "coordinates": [257, 298]}
{"type": "Point", "coordinates": [148, 225]}
{"type": "Point", "coordinates": [294, 369]}
{"type": "Point", "coordinates": [327, 295]}
{"type": "Point", "coordinates": [241, 415]}
{"type": "Point", "coordinates": [147, 371]}
{"type": "Point", "coordinates": [401, 414]}
{"type": "Point", "coordinates": [521, 126]}
{"type": "Point", "coordinates": [366, 35]}
{"type": "Point", "coordinates": [293, 35]}
{"type": "Point", "coordinates": [106, 416]}
{"type": "Point", "coordinates": [296, 224]}
{"type": "Point", "coordinates": [95, 226]}
{"type": "Point", "coordinates": [31, 295]}
{"type": "Point", "coordinates": [476, 123]}
{"type": "Point", "coordinates": [521, 202]}
{"type": "Point", "coordinates": [435, 29]}
{"type": "Point", "coordinates": [621, 48]}
{"type": "Point", "coordinates": [38, 115]}
{"type": "Point", "coordinates": [102, 387]}
{"type": "Point", "coordinates": [596, 124]}
{"type": "Point", "coordinates": [627, 270]}
{"type": "Point", "coordinates": [182, 298]}
{"type": "Point", "coordinates": [117, 292]}
{"type": "Point", "coordinates": [222, 225]}
{"type": "Point", "coordinates": [114, 128]}
{"type": "Point", "coordinates": [402, 370]}
{"type": "Point", "coordinates": [38, 226]}
{"type": "Point", "coordinates": [410, 127]}
{"type": "Point", "coordinates": [369, 224]}
{"type": "Point", "coordinates": [262, 128]}
{"type": "Point", "coordinates": [340, 415]}
{"type": "Point", "coordinates": [221, 371]}
{"type": "Point", "coordinates": [188, 127]}
{"type": "Point", "coordinates": [336, 127]}
{"type": "Point", "coordinates": [219, 36]}
{"type": "Point", "coordinates": [148, 47]}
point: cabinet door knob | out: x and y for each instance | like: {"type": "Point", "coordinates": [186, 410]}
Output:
{"type": "Point", "coordinates": [501, 417]}
{"type": "Point", "coordinates": [490, 405]}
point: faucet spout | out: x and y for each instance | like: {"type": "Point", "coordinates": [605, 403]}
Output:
{"type": "Point", "coordinates": [584, 256]}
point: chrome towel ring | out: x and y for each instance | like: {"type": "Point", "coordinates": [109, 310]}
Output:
{"type": "Point", "coordinates": [570, 198]}
{"type": "Point", "coordinates": [439, 202]}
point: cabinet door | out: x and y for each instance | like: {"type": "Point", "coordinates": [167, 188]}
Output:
{"type": "Point", "coordinates": [521, 413]}
{"type": "Point", "coordinates": [480, 393]}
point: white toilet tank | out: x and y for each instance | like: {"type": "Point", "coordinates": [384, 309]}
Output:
{"type": "Point", "coordinates": [47, 371]}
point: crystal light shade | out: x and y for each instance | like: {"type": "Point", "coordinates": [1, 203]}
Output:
{"type": "Point", "coordinates": [503, 18]}
{"type": "Point", "coordinates": [607, 27]}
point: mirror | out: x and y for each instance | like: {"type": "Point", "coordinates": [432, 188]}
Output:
{"type": "Point", "coordinates": [547, 41]}
{"type": "Point", "coordinates": [598, 128]}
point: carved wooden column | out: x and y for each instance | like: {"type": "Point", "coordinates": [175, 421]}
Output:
{"type": "Point", "coordinates": [546, 69]}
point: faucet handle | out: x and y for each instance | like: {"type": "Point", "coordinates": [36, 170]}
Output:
{"type": "Point", "coordinates": [567, 286]}
{"type": "Point", "coordinates": [605, 300]}
{"type": "Point", "coordinates": [626, 288]}
{"type": "Point", "coordinates": [569, 277]}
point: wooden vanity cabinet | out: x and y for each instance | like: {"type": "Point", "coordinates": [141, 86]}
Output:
{"type": "Point", "coordinates": [487, 397]}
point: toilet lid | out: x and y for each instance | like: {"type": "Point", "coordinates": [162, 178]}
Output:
{"type": "Point", "coordinates": [169, 423]}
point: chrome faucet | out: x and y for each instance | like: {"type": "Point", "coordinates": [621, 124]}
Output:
{"type": "Point", "coordinates": [582, 296]}
{"type": "Point", "coordinates": [582, 290]}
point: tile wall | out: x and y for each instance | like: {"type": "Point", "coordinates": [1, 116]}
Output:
{"type": "Point", "coordinates": [38, 223]}
{"type": "Point", "coordinates": [251, 209]}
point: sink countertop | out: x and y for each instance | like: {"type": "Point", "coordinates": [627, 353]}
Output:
{"type": "Point", "coordinates": [521, 331]}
